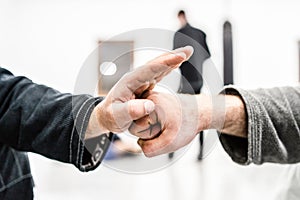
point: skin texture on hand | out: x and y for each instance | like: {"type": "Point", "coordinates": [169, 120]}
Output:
{"type": "Point", "coordinates": [176, 121]}
{"type": "Point", "coordinates": [122, 104]}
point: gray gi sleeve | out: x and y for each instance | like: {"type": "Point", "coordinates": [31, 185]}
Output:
{"type": "Point", "coordinates": [273, 127]}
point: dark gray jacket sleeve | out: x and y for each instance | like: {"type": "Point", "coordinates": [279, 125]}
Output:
{"type": "Point", "coordinates": [273, 127]}
{"type": "Point", "coordinates": [39, 119]}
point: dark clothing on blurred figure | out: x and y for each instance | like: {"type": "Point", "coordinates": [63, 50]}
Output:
{"type": "Point", "coordinates": [191, 70]}
{"type": "Point", "coordinates": [36, 118]}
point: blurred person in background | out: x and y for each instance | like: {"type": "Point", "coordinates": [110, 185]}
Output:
{"type": "Point", "coordinates": [191, 70]}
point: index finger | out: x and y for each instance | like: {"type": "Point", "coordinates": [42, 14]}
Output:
{"type": "Point", "coordinates": [157, 68]}
{"type": "Point", "coordinates": [171, 58]}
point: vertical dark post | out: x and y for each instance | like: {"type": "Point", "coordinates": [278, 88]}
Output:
{"type": "Point", "coordinates": [299, 60]}
{"type": "Point", "coordinates": [228, 53]}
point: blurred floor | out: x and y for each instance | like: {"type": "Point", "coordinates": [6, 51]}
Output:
{"type": "Point", "coordinates": [215, 178]}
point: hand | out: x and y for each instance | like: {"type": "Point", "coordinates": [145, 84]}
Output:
{"type": "Point", "coordinates": [121, 106]}
{"type": "Point", "coordinates": [178, 119]}
{"type": "Point", "coordinates": [174, 123]}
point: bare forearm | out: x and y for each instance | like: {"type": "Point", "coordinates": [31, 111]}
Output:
{"type": "Point", "coordinates": [235, 122]}
{"type": "Point", "coordinates": [226, 113]}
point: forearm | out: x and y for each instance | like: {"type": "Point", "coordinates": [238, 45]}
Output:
{"type": "Point", "coordinates": [235, 120]}
{"type": "Point", "coordinates": [272, 124]}
{"type": "Point", "coordinates": [225, 113]}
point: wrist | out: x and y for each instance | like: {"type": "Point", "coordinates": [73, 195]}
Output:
{"type": "Point", "coordinates": [205, 107]}
{"type": "Point", "coordinates": [190, 115]}
{"type": "Point", "coordinates": [95, 127]}
{"type": "Point", "coordinates": [235, 122]}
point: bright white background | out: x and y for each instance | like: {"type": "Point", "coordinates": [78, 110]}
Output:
{"type": "Point", "coordinates": [49, 40]}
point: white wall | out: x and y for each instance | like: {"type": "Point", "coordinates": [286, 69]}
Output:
{"type": "Point", "coordinates": [49, 40]}
{"type": "Point", "coordinates": [266, 35]}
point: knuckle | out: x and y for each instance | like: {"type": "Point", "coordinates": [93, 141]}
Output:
{"type": "Point", "coordinates": [131, 109]}
{"type": "Point", "coordinates": [133, 131]}
{"type": "Point", "coordinates": [168, 141]}
{"type": "Point", "coordinates": [149, 155]}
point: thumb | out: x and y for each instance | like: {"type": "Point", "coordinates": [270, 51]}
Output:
{"type": "Point", "coordinates": [139, 108]}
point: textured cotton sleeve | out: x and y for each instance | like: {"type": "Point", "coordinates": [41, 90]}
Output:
{"type": "Point", "coordinates": [39, 119]}
{"type": "Point", "coordinates": [273, 127]}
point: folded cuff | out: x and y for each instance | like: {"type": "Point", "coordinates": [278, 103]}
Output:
{"type": "Point", "coordinates": [245, 150]}
{"type": "Point", "coordinates": [87, 155]}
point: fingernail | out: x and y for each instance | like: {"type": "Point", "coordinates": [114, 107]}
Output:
{"type": "Point", "coordinates": [181, 54]}
{"type": "Point", "coordinates": [149, 106]}
{"type": "Point", "coordinates": [189, 48]}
